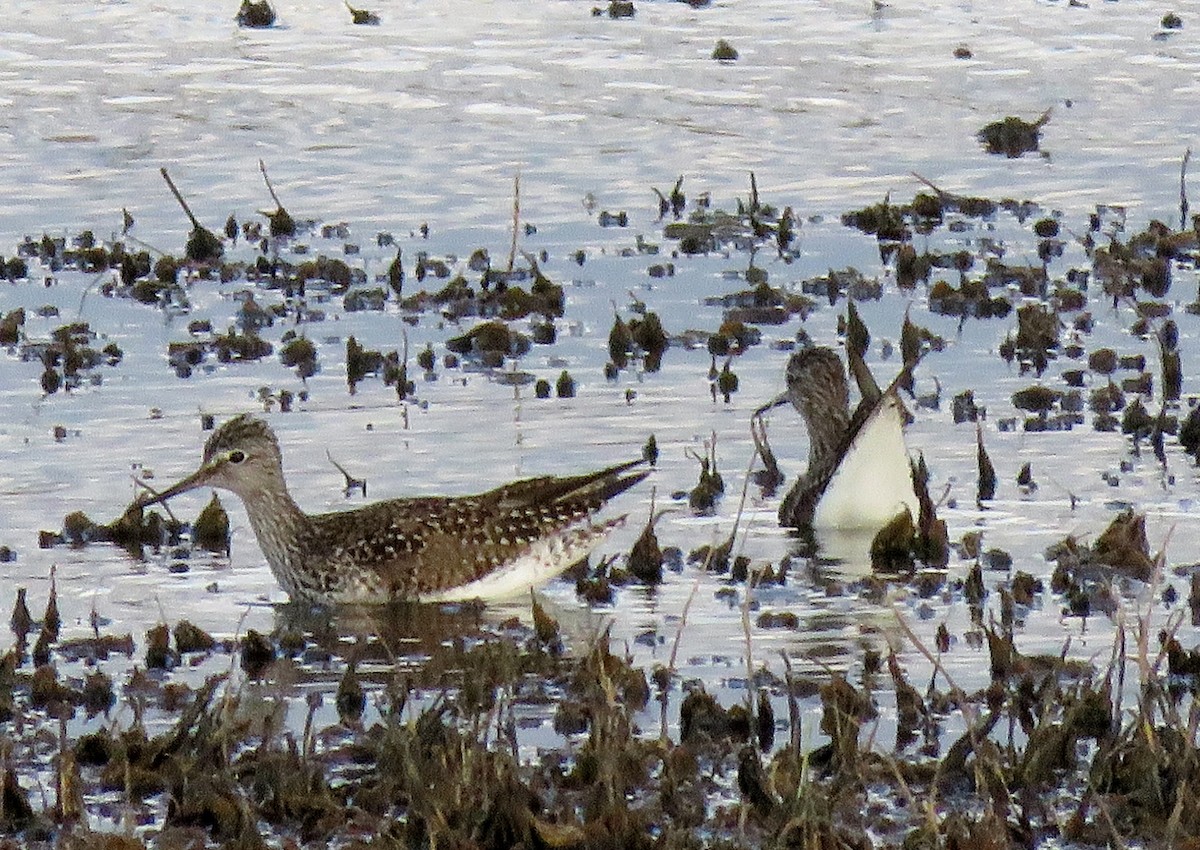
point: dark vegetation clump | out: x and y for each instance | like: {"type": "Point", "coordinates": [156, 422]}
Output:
{"type": "Point", "coordinates": [642, 337]}
{"type": "Point", "coordinates": [755, 223]}
{"type": "Point", "coordinates": [133, 530]}
{"type": "Point", "coordinates": [330, 270]}
{"type": "Point", "coordinates": [724, 51]}
{"type": "Point", "coordinates": [762, 305]}
{"type": "Point", "coordinates": [232, 346]}
{"type": "Point", "coordinates": [362, 17]}
{"type": "Point", "coordinates": [203, 246]}
{"type": "Point", "coordinates": [255, 14]}
{"type": "Point", "coordinates": [432, 752]}
{"type": "Point", "coordinates": [1036, 340]}
{"type": "Point", "coordinates": [564, 387]}
{"type": "Point", "coordinates": [616, 9]}
{"type": "Point", "coordinates": [645, 561]}
{"type": "Point", "coordinates": [702, 498]}
{"type": "Point", "coordinates": [299, 352]}
{"type": "Point", "coordinates": [490, 342]}
{"type": "Point", "coordinates": [496, 294]}
{"type": "Point", "coordinates": [68, 358]}
{"type": "Point", "coordinates": [883, 220]}
{"type": "Point", "coordinates": [282, 225]}
{"type": "Point", "coordinates": [360, 362]}
{"type": "Point", "coordinates": [1013, 136]}
{"type": "Point", "coordinates": [971, 299]}
{"type": "Point", "coordinates": [211, 529]}
{"type": "Point", "coordinates": [727, 382]}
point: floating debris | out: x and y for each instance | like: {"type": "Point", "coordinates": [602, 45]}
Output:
{"type": "Point", "coordinates": [1036, 339]}
{"type": "Point", "coordinates": [883, 220]}
{"type": "Point", "coordinates": [970, 299]}
{"type": "Point", "coordinates": [651, 340]}
{"type": "Point", "coordinates": [357, 300]}
{"type": "Point", "coordinates": [360, 363]}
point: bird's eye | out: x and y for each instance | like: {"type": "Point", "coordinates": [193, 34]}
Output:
{"type": "Point", "coordinates": [237, 456]}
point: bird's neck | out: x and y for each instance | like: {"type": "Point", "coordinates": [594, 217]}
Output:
{"type": "Point", "coordinates": [827, 429]}
{"type": "Point", "coordinates": [280, 526]}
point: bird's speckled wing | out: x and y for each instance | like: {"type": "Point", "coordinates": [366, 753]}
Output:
{"type": "Point", "coordinates": [413, 548]}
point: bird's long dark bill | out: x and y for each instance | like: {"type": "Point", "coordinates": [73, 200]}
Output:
{"type": "Point", "coordinates": [778, 401]}
{"type": "Point", "coordinates": [196, 479]}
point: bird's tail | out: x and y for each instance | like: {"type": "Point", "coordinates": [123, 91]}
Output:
{"type": "Point", "coordinates": [593, 488]}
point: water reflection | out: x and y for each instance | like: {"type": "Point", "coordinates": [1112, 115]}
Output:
{"type": "Point", "coordinates": [401, 632]}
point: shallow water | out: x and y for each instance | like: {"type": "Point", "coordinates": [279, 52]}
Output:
{"type": "Point", "coordinates": [426, 119]}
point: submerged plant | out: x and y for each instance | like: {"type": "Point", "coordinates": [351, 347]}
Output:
{"type": "Point", "coordinates": [255, 14]}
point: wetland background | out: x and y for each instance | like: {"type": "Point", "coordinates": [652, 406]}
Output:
{"type": "Point", "coordinates": [423, 121]}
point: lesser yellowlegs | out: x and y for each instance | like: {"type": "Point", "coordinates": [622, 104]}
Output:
{"type": "Point", "coordinates": [859, 476]}
{"type": "Point", "coordinates": [429, 548]}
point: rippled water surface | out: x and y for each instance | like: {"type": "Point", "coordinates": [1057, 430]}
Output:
{"type": "Point", "coordinates": [426, 119]}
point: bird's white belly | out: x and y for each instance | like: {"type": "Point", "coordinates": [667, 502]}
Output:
{"type": "Point", "coordinates": [542, 561]}
{"type": "Point", "coordinates": [873, 482]}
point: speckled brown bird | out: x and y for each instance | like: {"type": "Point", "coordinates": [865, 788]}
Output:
{"type": "Point", "coordinates": [858, 475]}
{"type": "Point", "coordinates": [429, 548]}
